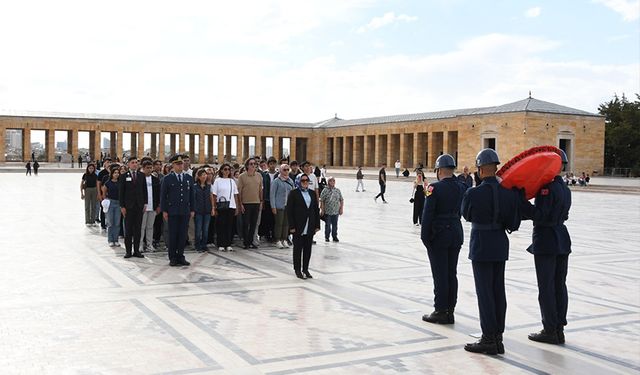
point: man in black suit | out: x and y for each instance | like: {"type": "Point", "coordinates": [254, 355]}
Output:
{"type": "Point", "coordinates": [304, 222]}
{"type": "Point", "coordinates": [132, 196]}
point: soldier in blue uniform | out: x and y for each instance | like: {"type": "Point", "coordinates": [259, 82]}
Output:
{"type": "Point", "coordinates": [551, 247]}
{"type": "Point", "coordinates": [442, 236]}
{"type": "Point", "coordinates": [177, 205]}
{"type": "Point", "coordinates": [492, 210]}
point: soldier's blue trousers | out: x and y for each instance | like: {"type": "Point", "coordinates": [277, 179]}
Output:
{"type": "Point", "coordinates": [178, 225]}
{"type": "Point", "coordinates": [551, 271]}
{"type": "Point", "coordinates": [492, 300]}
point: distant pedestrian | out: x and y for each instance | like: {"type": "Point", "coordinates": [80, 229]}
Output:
{"type": "Point", "coordinates": [332, 206]}
{"type": "Point", "coordinates": [33, 156]}
{"type": "Point", "coordinates": [406, 173]}
{"type": "Point", "coordinates": [79, 161]}
{"type": "Point", "coordinates": [382, 181]}
{"type": "Point", "coordinates": [36, 166]}
{"type": "Point", "coordinates": [465, 177]}
{"type": "Point", "coordinates": [419, 188]}
{"type": "Point", "coordinates": [28, 166]}
{"type": "Point", "coordinates": [88, 193]}
{"type": "Point", "coordinates": [304, 222]}
{"type": "Point", "coordinates": [359, 178]}
{"type": "Point", "coordinates": [398, 165]}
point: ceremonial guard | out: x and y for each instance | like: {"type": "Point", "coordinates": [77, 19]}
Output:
{"type": "Point", "coordinates": [492, 210]}
{"type": "Point", "coordinates": [177, 205]}
{"type": "Point", "coordinates": [442, 236]}
{"type": "Point", "coordinates": [551, 247]}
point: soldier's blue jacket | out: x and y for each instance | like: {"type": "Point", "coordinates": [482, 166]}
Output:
{"type": "Point", "coordinates": [492, 210]}
{"type": "Point", "coordinates": [551, 210]}
{"type": "Point", "coordinates": [441, 225]}
{"type": "Point", "coordinates": [177, 198]}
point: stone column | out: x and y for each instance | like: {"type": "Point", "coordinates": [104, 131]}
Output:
{"type": "Point", "coordinates": [161, 145]}
{"type": "Point", "coordinates": [154, 145]}
{"type": "Point", "coordinates": [358, 151]}
{"type": "Point", "coordinates": [96, 144]}
{"type": "Point", "coordinates": [140, 150]}
{"type": "Point", "coordinates": [259, 150]}
{"type": "Point", "coordinates": [210, 156]}
{"type": "Point", "coordinates": [181, 143]}
{"type": "Point", "coordinates": [112, 145]}
{"type": "Point", "coordinates": [221, 148]}
{"type": "Point", "coordinates": [346, 151]}
{"type": "Point", "coordinates": [201, 151]}
{"type": "Point", "coordinates": [133, 147]}
{"type": "Point", "coordinates": [72, 143]}
{"type": "Point", "coordinates": [227, 147]}
{"type": "Point", "coordinates": [3, 135]}
{"type": "Point", "coordinates": [26, 144]}
{"type": "Point", "coordinates": [416, 157]}
{"type": "Point", "coordinates": [277, 150]}
{"type": "Point", "coordinates": [403, 151]}
{"type": "Point", "coordinates": [292, 148]}
{"type": "Point", "coordinates": [337, 155]}
{"type": "Point", "coordinates": [377, 151]}
{"type": "Point", "coordinates": [239, 149]}
{"type": "Point", "coordinates": [192, 147]}
{"type": "Point", "coordinates": [445, 142]}
{"type": "Point", "coordinates": [172, 144]}
{"type": "Point", "coordinates": [118, 139]}
{"type": "Point", "coordinates": [431, 149]}
{"type": "Point", "coordinates": [390, 160]}
{"type": "Point", "coordinates": [50, 137]}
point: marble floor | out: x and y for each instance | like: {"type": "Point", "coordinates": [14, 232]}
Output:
{"type": "Point", "coordinates": [72, 305]}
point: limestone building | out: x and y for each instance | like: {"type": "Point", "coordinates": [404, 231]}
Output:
{"type": "Point", "coordinates": [413, 138]}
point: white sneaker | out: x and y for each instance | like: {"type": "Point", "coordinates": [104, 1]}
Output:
{"type": "Point", "coordinates": [221, 248]}
{"type": "Point", "coordinates": [279, 245]}
{"type": "Point", "coordinates": [229, 248]}
{"type": "Point", "coordinates": [285, 244]}
{"type": "Point", "coordinates": [111, 244]}
{"type": "Point", "coordinates": [116, 244]}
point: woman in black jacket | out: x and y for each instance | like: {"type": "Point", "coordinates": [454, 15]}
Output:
{"type": "Point", "coordinates": [304, 222]}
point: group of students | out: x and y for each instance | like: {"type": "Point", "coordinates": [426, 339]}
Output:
{"type": "Point", "coordinates": [145, 201]}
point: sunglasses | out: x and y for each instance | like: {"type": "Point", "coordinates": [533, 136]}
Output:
{"type": "Point", "coordinates": [304, 180]}
{"type": "Point", "coordinates": [285, 169]}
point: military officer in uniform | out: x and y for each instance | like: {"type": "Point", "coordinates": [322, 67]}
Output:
{"type": "Point", "coordinates": [551, 247]}
{"type": "Point", "coordinates": [492, 210]}
{"type": "Point", "coordinates": [177, 205]}
{"type": "Point", "coordinates": [442, 236]}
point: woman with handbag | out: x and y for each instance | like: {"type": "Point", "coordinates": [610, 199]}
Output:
{"type": "Point", "coordinates": [225, 206]}
{"type": "Point", "coordinates": [419, 187]}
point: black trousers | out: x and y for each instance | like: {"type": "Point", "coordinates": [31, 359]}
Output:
{"type": "Point", "coordinates": [249, 222]}
{"type": "Point", "coordinates": [418, 206]}
{"type": "Point", "coordinates": [302, 249]}
{"type": "Point", "coordinates": [444, 269]}
{"type": "Point", "coordinates": [133, 227]}
{"type": "Point", "coordinates": [211, 235]}
{"type": "Point", "coordinates": [224, 229]}
{"type": "Point", "coordinates": [267, 221]}
{"type": "Point", "coordinates": [551, 271]}
{"type": "Point", "coordinates": [178, 226]}
{"type": "Point", "coordinates": [383, 188]}
{"type": "Point", "coordinates": [157, 228]}
{"type": "Point", "coordinates": [492, 300]}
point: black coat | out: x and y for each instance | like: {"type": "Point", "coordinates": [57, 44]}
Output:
{"type": "Point", "coordinates": [132, 196]}
{"type": "Point", "coordinates": [298, 213]}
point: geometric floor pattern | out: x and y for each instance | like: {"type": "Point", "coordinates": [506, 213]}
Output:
{"type": "Point", "coordinates": [70, 304]}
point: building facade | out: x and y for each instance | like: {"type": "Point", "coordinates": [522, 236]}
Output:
{"type": "Point", "coordinates": [414, 139]}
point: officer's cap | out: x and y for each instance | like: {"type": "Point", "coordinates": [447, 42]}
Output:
{"type": "Point", "coordinates": [487, 156]}
{"type": "Point", "coordinates": [176, 159]}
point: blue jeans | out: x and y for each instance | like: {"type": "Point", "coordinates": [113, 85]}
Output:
{"type": "Point", "coordinates": [331, 226]}
{"type": "Point", "coordinates": [113, 220]}
{"type": "Point", "coordinates": [202, 230]}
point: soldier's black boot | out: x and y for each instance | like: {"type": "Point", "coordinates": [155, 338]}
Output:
{"type": "Point", "coordinates": [546, 336]}
{"type": "Point", "coordinates": [560, 332]}
{"type": "Point", "coordinates": [450, 318]}
{"type": "Point", "coordinates": [499, 343]}
{"type": "Point", "coordinates": [438, 317]}
{"type": "Point", "coordinates": [486, 345]}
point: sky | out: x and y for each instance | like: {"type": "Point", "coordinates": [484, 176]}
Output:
{"type": "Point", "coordinates": [294, 60]}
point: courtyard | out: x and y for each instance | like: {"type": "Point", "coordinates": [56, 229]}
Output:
{"type": "Point", "coordinates": [71, 304]}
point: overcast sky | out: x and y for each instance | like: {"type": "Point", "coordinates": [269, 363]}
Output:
{"type": "Point", "coordinates": [306, 60]}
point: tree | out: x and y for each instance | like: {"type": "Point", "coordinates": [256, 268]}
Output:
{"type": "Point", "coordinates": [622, 133]}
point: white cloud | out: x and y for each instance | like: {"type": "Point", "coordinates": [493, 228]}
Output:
{"type": "Point", "coordinates": [628, 9]}
{"type": "Point", "coordinates": [387, 19]}
{"type": "Point", "coordinates": [533, 12]}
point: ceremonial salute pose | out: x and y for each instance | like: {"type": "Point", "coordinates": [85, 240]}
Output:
{"type": "Point", "coordinates": [442, 235]}
{"type": "Point", "coordinates": [551, 247]}
{"type": "Point", "coordinates": [492, 210]}
{"type": "Point", "coordinates": [177, 204]}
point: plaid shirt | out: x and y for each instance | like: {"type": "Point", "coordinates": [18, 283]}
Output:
{"type": "Point", "coordinates": [331, 199]}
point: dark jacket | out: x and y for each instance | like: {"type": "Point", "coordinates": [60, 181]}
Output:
{"type": "Point", "coordinates": [155, 187]}
{"type": "Point", "coordinates": [298, 213]}
{"type": "Point", "coordinates": [551, 210]}
{"type": "Point", "coordinates": [441, 227]}
{"type": "Point", "coordinates": [488, 241]}
{"type": "Point", "coordinates": [468, 180]}
{"type": "Point", "coordinates": [132, 195]}
{"type": "Point", "coordinates": [177, 198]}
{"type": "Point", "coordinates": [202, 199]}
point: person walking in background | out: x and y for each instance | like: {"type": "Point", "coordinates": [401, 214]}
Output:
{"type": "Point", "coordinates": [203, 199]}
{"type": "Point", "coordinates": [112, 217]}
{"type": "Point", "coordinates": [28, 166]}
{"type": "Point", "coordinates": [36, 166]}
{"type": "Point", "coordinates": [280, 189]}
{"type": "Point", "coordinates": [304, 222]}
{"type": "Point", "coordinates": [151, 207]}
{"type": "Point", "coordinates": [398, 166]}
{"type": "Point", "coordinates": [226, 205]}
{"type": "Point", "coordinates": [79, 161]}
{"type": "Point", "coordinates": [359, 178]}
{"type": "Point", "coordinates": [419, 189]}
{"type": "Point", "coordinates": [88, 192]}
{"type": "Point", "coordinates": [331, 205]}
{"type": "Point", "coordinates": [382, 181]}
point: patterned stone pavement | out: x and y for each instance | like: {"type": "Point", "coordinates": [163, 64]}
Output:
{"type": "Point", "coordinates": [72, 305]}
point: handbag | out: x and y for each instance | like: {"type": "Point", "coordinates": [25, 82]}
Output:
{"type": "Point", "coordinates": [223, 205]}
{"type": "Point", "coordinates": [411, 200]}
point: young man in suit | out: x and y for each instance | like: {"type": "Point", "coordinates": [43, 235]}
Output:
{"type": "Point", "coordinates": [177, 205]}
{"type": "Point", "coordinates": [132, 197]}
{"type": "Point", "coordinates": [151, 206]}
{"type": "Point", "coordinates": [304, 222]}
